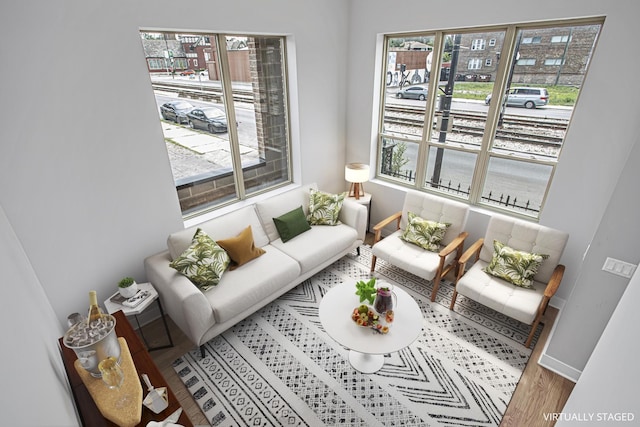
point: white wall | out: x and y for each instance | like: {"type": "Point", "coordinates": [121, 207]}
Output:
{"type": "Point", "coordinates": [84, 174]}
{"type": "Point", "coordinates": [30, 365]}
{"type": "Point", "coordinates": [602, 134]}
{"type": "Point", "coordinates": [612, 370]}
{"type": "Point", "coordinates": [596, 293]}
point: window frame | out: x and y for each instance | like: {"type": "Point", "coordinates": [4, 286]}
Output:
{"type": "Point", "coordinates": [474, 64]}
{"type": "Point", "coordinates": [486, 151]}
{"type": "Point", "coordinates": [478, 44]}
{"type": "Point", "coordinates": [223, 68]}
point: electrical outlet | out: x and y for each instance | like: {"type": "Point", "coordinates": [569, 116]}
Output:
{"type": "Point", "coordinates": [619, 268]}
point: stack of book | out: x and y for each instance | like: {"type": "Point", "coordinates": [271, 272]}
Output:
{"type": "Point", "coordinates": [133, 301]}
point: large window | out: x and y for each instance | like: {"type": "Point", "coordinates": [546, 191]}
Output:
{"type": "Point", "coordinates": [223, 105]}
{"type": "Point", "coordinates": [491, 136]}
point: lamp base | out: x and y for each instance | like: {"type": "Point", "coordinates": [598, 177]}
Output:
{"type": "Point", "coordinates": [356, 190]}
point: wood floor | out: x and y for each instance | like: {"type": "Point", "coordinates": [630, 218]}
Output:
{"type": "Point", "coordinates": [540, 391]}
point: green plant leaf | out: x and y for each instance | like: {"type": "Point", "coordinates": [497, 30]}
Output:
{"type": "Point", "coordinates": [366, 290]}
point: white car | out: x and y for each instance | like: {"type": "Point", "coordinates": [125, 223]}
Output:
{"type": "Point", "coordinates": [413, 92]}
{"type": "Point", "coordinates": [528, 97]}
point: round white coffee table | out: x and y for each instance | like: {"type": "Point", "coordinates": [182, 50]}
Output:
{"type": "Point", "coordinates": [366, 346]}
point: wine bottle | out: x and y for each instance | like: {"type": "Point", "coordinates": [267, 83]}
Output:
{"type": "Point", "coordinates": [94, 310]}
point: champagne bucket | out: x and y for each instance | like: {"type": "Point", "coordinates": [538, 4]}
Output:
{"type": "Point", "coordinates": [93, 343]}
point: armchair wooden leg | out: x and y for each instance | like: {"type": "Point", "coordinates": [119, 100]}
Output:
{"type": "Point", "coordinates": [531, 334]}
{"type": "Point", "coordinates": [373, 262]}
{"type": "Point", "coordinates": [534, 326]}
{"type": "Point", "coordinates": [453, 299]}
{"type": "Point", "coordinates": [436, 285]}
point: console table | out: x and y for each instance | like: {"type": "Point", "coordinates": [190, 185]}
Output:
{"type": "Point", "coordinates": [89, 413]}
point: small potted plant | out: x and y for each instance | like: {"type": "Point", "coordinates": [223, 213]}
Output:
{"type": "Point", "coordinates": [366, 290]}
{"type": "Point", "coordinates": [127, 287]}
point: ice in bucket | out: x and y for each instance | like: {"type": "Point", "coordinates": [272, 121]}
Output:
{"type": "Point", "coordinates": [93, 342]}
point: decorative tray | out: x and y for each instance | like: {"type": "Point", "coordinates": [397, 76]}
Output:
{"type": "Point", "coordinates": [127, 413]}
{"type": "Point", "coordinates": [366, 317]}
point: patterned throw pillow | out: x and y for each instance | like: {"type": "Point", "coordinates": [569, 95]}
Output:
{"type": "Point", "coordinates": [424, 233]}
{"type": "Point", "coordinates": [514, 266]}
{"type": "Point", "coordinates": [203, 262]}
{"type": "Point", "coordinates": [324, 208]}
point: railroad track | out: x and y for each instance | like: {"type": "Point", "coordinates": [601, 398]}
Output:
{"type": "Point", "coordinates": [411, 116]}
{"type": "Point", "coordinates": [204, 92]}
{"type": "Point", "coordinates": [511, 135]}
{"type": "Point", "coordinates": [551, 124]}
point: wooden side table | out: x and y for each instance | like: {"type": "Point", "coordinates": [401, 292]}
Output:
{"type": "Point", "coordinates": [112, 307]}
{"type": "Point", "coordinates": [87, 409]}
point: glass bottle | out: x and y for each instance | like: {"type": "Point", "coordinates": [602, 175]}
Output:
{"type": "Point", "coordinates": [94, 310]}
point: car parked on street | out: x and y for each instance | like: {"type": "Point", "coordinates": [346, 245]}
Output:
{"type": "Point", "coordinates": [176, 111]}
{"type": "Point", "coordinates": [413, 92]}
{"type": "Point", "coordinates": [528, 97]}
{"type": "Point", "coordinates": [210, 118]}
{"type": "Point", "coordinates": [187, 72]}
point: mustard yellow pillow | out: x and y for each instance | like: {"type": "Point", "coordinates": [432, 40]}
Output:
{"type": "Point", "coordinates": [241, 249]}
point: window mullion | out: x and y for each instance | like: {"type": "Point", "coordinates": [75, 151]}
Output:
{"type": "Point", "coordinates": [227, 90]}
{"type": "Point", "coordinates": [423, 151]}
{"type": "Point", "coordinates": [491, 125]}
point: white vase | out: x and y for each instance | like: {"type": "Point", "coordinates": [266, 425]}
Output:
{"type": "Point", "coordinates": [129, 291]}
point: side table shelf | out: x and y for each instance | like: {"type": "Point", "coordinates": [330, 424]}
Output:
{"type": "Point", "coordinates": [112, 307]}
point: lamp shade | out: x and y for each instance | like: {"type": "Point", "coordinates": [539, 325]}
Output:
{"type": "Point", "coordinates": [356, 172]}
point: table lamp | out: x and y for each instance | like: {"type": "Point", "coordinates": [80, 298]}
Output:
{"type": "Point", "coordinates": [356, 174]}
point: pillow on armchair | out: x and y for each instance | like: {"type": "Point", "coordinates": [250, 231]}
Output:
{"type": "Point", "coordinates": [423, 232]}
{"type": "Point", "coordinates": [517, 267]}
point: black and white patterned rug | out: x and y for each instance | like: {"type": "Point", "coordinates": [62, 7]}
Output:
{"type": "Point", "coordinates": [279, 367]}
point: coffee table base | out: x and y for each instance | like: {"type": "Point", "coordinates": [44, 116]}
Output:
{"type": "Point", "coordinates": [366, 363]}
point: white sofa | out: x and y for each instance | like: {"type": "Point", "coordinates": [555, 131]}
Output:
{"type": "Point", "coordinates": [241, 292]}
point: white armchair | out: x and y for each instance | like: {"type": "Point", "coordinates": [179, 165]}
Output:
{"type": "Point", "coordinates": [524, 304]}
{"type": "Point", "coordinates": [412, 258]}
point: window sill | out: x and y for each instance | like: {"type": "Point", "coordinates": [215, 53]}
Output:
{"type": "Point", "coordinates": [236, 205]}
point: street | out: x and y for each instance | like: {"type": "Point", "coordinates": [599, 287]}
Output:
{"type": "Point", "coordinates": [194, 152]}
{"type": "Point", "coordinates": [459, 104]}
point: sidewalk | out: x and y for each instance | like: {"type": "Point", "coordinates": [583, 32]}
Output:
{"type": "Point", "coordinates": [194, 153]}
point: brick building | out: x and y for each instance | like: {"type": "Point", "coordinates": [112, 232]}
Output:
{"type": "Point", "coordinates": [549, 56]}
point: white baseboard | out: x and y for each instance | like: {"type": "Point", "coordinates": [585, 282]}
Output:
{"type": "Point", "coordinates": [551, 363]}
{"type": "Point", "coordinates": [557, 303]}
{"type": "Point", "coordinates": [560, 368]}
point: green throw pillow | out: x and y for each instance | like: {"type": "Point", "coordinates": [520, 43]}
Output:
{"type": "Point", "coordinates": [424, 233]}
{"type": "Point", "coordinates": [514, 266]}
{"type": "Point", "coordinates": [291, 224]}
{"type": "Point", "coordinates": [324, 208]}
{"type": "Point", "coordinates": [203, 262]}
